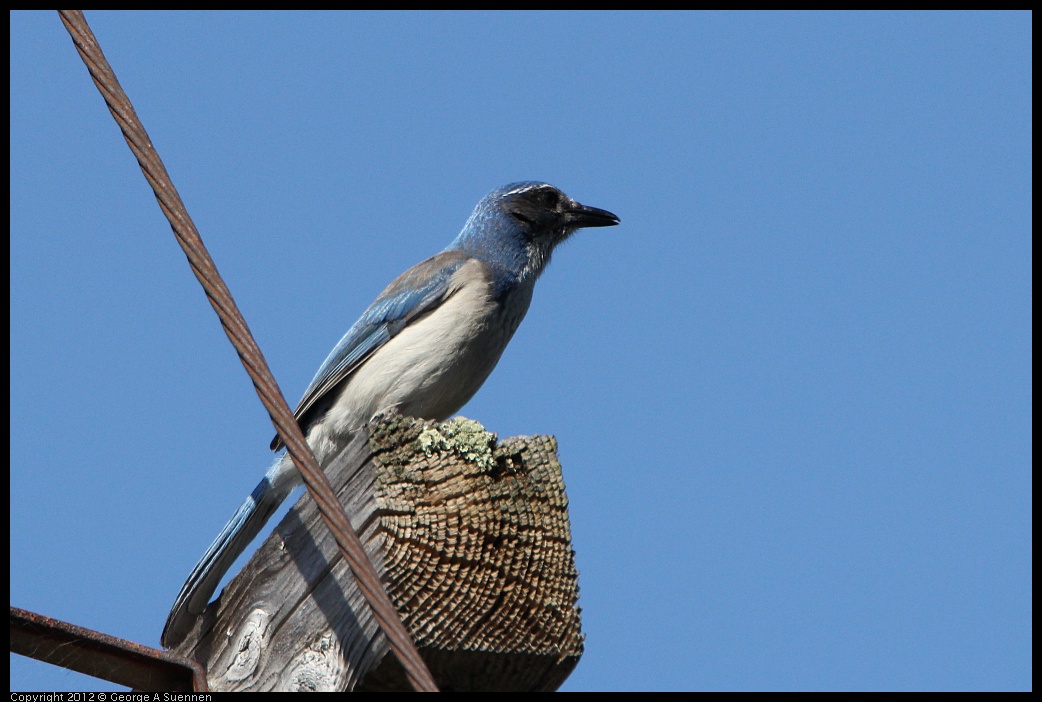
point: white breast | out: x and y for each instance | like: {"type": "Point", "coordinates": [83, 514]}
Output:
{"type": "Point", "coordinates": [434, 366]}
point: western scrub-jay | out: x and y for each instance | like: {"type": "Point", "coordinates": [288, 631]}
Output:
{"type": "Point", "coordinates": [423, 348]}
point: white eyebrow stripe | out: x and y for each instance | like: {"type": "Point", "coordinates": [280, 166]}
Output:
{"type": "Point", "coordinates": [525, 188]}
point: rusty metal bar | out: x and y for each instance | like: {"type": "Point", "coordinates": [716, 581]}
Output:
{"type": "Point", "coordinates": [102, 656]}
{"type": "Point", "coordinates": [238, 332]}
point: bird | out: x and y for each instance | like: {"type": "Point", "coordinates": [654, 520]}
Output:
{"type": "Point", "coordinates": [423, 348]}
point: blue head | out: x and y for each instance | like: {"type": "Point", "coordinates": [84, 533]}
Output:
{"type": "Point", "coordinates": [515, 228]}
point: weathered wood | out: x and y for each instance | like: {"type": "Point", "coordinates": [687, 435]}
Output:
{"type": "Point", "coordinates": [472, 540]}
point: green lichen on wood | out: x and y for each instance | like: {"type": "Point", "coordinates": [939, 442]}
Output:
{"type": "Point", "coordinates": [465, 437]}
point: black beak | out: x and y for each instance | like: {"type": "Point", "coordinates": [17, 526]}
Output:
{"type": "Point", "coordinates": [582, 216]}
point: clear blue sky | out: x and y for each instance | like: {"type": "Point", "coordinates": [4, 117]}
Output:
{"type": "Point", "coordinates": [792, 390]}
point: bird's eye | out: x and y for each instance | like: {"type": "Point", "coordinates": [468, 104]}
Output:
{"type": "Point", "coordinates": [547, 198]}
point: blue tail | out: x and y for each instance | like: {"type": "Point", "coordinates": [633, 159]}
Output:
{"type": "Point", "coordinates": [237, 534]}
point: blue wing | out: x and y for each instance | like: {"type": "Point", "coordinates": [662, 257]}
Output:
{"type": "Point", "coordinates": [417, 291]}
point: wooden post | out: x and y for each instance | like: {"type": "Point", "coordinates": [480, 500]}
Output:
{"type": "Point", "coordinates": [471, 538]}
